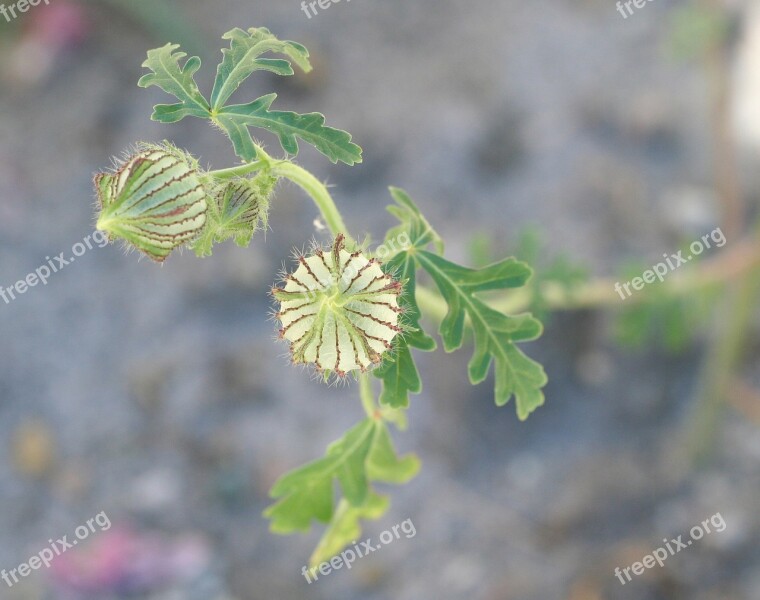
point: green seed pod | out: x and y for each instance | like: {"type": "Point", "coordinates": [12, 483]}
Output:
{"type": "Point", "coordinates": [237, 209]}
{"type": "Point", "coordinates": [339, 310]}
{"type": "Point", "coordinates": [155, 200]}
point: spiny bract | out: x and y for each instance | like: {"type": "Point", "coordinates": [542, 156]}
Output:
{"type": "Point", "coordinates": [155, 200]}
{"type": "Point", "coordinates": [339, 310]}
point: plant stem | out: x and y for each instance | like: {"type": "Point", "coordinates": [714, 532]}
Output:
{"type": "Point", "coordinates": [742, 258]}
{"type": "Point", "coordinates": [301, 177]}
{"type": "Point", "coordinates": [367, 395]}
{"type": "Point", "coordinates": [722, 361]}
{"type": "Point", "coordinates": [238, 171]}
{"type": "Point", "coordinates": [732, 320]}
{"type": "Point", "coordinates": [318, 192]}
{"type": "Point", "coordinates": [717, 67]}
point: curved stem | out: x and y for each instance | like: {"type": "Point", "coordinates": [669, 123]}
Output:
{"type": "Point", "coordinates": [318, 192]}
{"type": "Point", "coordinates": [301, 177]}
{"type": "Point", "coordinates": [238, 171]}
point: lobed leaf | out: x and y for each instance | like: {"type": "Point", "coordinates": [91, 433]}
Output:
{"type": "Point", "coordinates": [399, 373]}
{"type": "Point", "coordinates": [335, 144]}
{"type": "Point", "coordinates": [382, 465]}
{"type": "Point", "coordinates": [495, 333]}
{"type": "Point", "coordinates": [363, 455]}
{"type": "Point", "coordinates": [346, 528]}
{"type": "Point", "coordinates": [167, 74]}
{"type": "Point", "coordinates": [240, 61]}
{"type": "Point", "coordinates": [243, 57]}
{"type": "Point", "coordinates": [413, 222]}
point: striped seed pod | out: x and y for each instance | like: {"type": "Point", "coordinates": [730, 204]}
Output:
{"type": "Point", "coordinates": [339, 310]}
{"type": "Point", "coordinates": [154, 200]}
{"type": "Point", "coordinates": [236, 209]}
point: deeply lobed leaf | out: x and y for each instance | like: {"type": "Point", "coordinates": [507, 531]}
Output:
{"type": "Point", "coordinates": [399, 374]}
{"type": "Point", "coordinates": [240, 60]}
{"type": "Point", "coordinates": [345, 526]}
{"type": "Point", "coordinates": [167, 74]}
{"type": "Point", "coordinates": [243, 57]}
{"type": "Point", "coordinates": [495, 333]}
{"type": "Point", "coordinates": [288, 126]}
{"type": "Point", "coordinates": [363, 455]}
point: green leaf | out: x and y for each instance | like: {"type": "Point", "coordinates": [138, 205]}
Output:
{"type": "Point", "coordinates": [176, 80]}
{"type": "Point", "coordinates": [335, 144]}
{"type": "Point", "coordinates": [383, 464]}
{"type": "Point", "coordinates": [307, 492]}
{"type": "Point", "coordinates": [400, 377]}
{"type": "Point", "coordinates": [495, 332]}
{"type": "Point", "coordinates": [243, 57]}
{"type": "Point", "coordinates": [364, 454]}
{"type": "Point", "coordinates": [399, 373]}
{"type": "Point", "coordinates": [240, 60]}
{"type": "Point", "coordinates": [242, 141]}
{"type": "Point", "coordinates": [345, 527]}
{"type": "Point", "coordinates": [412, 222]}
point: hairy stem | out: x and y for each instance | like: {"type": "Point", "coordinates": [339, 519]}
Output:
{"type": "Point", "coordinates": [318, 192]}
{"type": "Point", "coordinates": [301, 177]}
{"type": "Point", "coordinates": [239, 171]}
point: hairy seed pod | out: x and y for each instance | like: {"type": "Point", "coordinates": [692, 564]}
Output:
{"type": "Point", "coordinates": [236, 209]}
{"type": "Point", "coordinates": [155, 200]}
{"type": "Point", "coordinates": [339, 310]}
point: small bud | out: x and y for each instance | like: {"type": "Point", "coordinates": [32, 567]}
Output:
{"type": "Point", "coordinates": [237, 209]}
{"type": "Point", "coordinates": [339, 310]}
{"type": "Point", "coordinates": [155, 200]}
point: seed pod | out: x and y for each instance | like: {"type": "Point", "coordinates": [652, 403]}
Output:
{"type": "Point", "coordinates": [236, 209]}
{"type": "Point", "coordinates": [154, 200]}
{"type": "Point", "coordinates": [339, 310]}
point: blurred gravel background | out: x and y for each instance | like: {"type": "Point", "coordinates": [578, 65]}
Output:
{"type": "Point", "coordinates": [156, 394]}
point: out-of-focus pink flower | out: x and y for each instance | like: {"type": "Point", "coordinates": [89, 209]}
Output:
{"type": "Point", "coordinates": [124, 561]}
{"type": "Point", "coordinates": [61, 24]}
{"type": "Point", "coordinates": [48, 32]}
